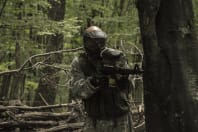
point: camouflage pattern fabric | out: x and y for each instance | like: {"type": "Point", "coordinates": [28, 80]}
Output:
{"type": "Point", "coordinates": [80, 85]}
{"type": "Point", "coordinates": [120, 125]}
{"type": "Point", "coordinates": [81, 88]}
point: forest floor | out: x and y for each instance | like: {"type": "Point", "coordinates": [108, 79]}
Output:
{"type": "Point", "coordinates": [52, 118]}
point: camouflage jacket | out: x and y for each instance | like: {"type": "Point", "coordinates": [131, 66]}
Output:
{"type": "Point", "coordinates": [112, 101]}
{"type": "Point", "coordinates": [80, 84]}
{"type": "Point", "coordinates": [81, 88]}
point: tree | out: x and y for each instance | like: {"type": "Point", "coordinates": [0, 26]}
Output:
{"type": "Point", "coordinates": [13, 85]}
{"type": "Point", "coordinates": [18, 80]}
{"type": "Point", "coordinates": [48, 83]}
{"type": "Point", "coordinates": [171, 65]}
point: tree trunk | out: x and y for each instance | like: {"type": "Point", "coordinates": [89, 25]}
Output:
{"type": "Point", "coordinates": [5, 87]}
{"type": "Point", "coordinates": [49, 81]}
{"type": "Point", "coordinates": [18, 79]}
{"type": "Point", "coordinates": [170, 64]}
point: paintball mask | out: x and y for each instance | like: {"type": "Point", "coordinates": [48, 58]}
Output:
{"type": "Point", "coordinates": [94, 41]}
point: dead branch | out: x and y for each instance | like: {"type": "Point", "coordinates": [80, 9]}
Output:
{"type": "Point", "coordinates": [27, 124]}
{"type": "Point", "coordinates": [140, 127]}
{"type": "Point", "coordinates": [43, 116]}
{"type": "Point", "coordinates": [139, 50]}
{"type": "Point", "coordinates": [39, 108]}
{"type": "Point", "coordinates": [29, 60]}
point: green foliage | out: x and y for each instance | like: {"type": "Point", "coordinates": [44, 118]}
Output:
{"type": "Point", "coordinates": [26, 22]}
{"type": "Point", "coordinates": [67, 27]}
{"type": "Point", "coordinates": [4, 66]}
{"type": "Point", "coordinates": [118, 19]}
{"type": "Point", "coordinates": [195, 5]}
{"type": "Point", "coordinates": [31, 85]}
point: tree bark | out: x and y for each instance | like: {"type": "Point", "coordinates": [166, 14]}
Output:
{"type": "Point", "coordinates": [18, 79]}
{"type": "Point", "coordinates": [44, 116]}
{"type": "Point", "coordinates": [170, 65]}
{"type": "Point", "coordinates": [5, 87]}
{"type": "Point", "coordinates": [27, 124]}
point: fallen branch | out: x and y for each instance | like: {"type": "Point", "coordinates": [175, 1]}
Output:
{"type": "Point", "coordinates": [39, 108]}
{"type": "Point", "coordinates": [29, 60]}
{"type": "Point", "coordinates": [27, 124]}
{"type": "Point", "coordinates": [140, 127]}
{"type": "Point", "coordinates": [44, 116]}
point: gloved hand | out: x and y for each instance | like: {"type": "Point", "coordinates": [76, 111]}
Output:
{"type": "Point", "coordinates": [99, 81]}
{"type": "Point", "coordinates": [94, 81]}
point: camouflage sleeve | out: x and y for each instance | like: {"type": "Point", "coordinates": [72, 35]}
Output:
{"type": "Point", "coordinates": [122, 62]}
{"type": "Point", "coordinates": [80, 86]}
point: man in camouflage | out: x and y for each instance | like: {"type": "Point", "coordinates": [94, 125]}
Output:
{"type": "Point", "coordinates": [106, 98]}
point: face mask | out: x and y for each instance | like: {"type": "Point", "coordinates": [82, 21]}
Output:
{"type": "Point", "coordinates": [94, 46]}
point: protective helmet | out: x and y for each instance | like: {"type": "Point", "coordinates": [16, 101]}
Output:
{"type": "Point", "coordinates": [94, 41]}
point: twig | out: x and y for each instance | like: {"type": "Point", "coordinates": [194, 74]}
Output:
{"type": "Point", "coordinates": [140, 52]}
{"type": "Point", "coordinates": [140, 127]}
{"type": "Point", "coordinates": [27, 124]}
{"type": "Point", "coordinates": [43, 99]}
{"type": "Point", "coordinates": [38, 55]}
{"type": "Point", "coordinates": [49, 53]}
{"type": "Point", "coordinates": [11, 115]}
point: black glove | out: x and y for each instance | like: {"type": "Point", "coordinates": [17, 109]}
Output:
{"type": "Point", "coordinates": [94, 81]}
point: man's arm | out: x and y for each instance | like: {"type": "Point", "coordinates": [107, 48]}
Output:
{"type": "Point", "coordinates": [81, 86]}
{"type": "Point", "coordinates": [127, 79]}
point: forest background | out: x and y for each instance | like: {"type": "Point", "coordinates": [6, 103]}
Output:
{"type": "Point", "coordinates": [30, 28]}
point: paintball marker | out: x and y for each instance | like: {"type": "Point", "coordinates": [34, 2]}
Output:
{"type": "Point", "coordinates": [111, 55]}
{"type": "Point", "coordinates": [108, 69]}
